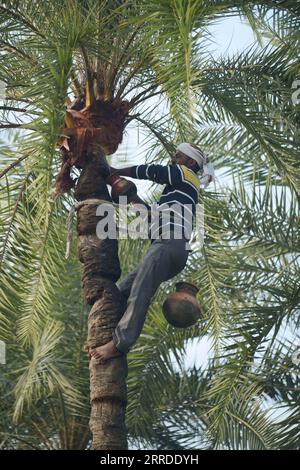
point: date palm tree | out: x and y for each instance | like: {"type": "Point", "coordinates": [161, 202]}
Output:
{"type": "Point", "coordinates": [77, 72]}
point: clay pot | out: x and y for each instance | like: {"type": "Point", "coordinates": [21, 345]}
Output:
{"type": "Point", "coordinates": [181, 308]}
{"type": "Point", "coordinates": [121, 187]}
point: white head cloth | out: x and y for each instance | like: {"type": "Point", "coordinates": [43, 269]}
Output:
{"type": "Point", "coordinates": [202, 160]}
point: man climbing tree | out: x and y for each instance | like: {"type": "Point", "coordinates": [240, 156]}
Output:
{"type": "Point", "coordinates": [168, 252]}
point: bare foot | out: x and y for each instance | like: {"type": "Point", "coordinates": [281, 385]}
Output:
{"type": "Point", "coordinates": [102, 353]}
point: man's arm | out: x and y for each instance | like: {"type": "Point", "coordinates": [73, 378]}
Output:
{"type": "Point", "coordinates": [161, 174]}
{"type": "Point", "coordinates": [129, 171]}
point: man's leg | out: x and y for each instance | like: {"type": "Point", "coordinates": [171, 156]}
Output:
{"type": "Point", "coordinates": [126, 283]}
{"type": "Point", "coordinates": [164, 259]}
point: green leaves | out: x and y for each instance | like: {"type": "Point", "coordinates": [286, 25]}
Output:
{"type": "Point", "coordinates": [41, 377]}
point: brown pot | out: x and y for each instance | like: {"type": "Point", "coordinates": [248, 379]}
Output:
{"type": "Point", "coordinates": [121, 187]}
{"type": "Point", "coordinates": [181, 308]}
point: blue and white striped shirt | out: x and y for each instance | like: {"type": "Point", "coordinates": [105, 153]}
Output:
{"type": "Point", "coordinates": [180, 194]}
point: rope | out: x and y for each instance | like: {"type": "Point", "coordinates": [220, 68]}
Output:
{"type": "Point", "coordinates": [72, 210]}
{"type": "Point", "coordinates": [78, 205]}
{"type": "Point", "coordinates": [69, 231]}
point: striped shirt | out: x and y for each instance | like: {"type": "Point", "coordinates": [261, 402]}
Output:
{"type": "Point", "coordinates": [177, 204]}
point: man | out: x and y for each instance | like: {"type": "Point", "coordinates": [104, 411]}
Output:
{"type": "Point", "coordinates": [166, 257]}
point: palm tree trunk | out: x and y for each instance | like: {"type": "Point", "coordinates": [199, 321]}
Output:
{"type": "Point", "coordinates": [101, 269]}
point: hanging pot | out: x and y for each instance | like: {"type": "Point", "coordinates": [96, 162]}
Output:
{"type": "Point", "coordinates": [121, 187]}
{"type": "Point", "coordinates": [181, 308]}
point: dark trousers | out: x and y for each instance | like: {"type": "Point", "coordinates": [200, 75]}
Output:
{"type": "Point", "coordinates": [164, 259]}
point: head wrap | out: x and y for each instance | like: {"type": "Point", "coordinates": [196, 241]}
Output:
{"type": "Point", "coordinates": [202, 159]}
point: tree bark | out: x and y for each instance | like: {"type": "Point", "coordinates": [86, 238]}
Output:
{"type": "Point", "coordinates": [101, 269]}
